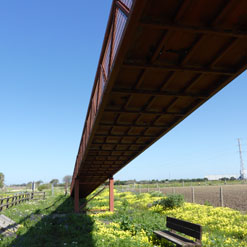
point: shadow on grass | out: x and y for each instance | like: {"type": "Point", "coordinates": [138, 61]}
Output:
{"type": "Point", "coordinates": [60, 227]}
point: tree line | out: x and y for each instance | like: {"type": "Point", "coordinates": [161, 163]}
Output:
{"type": "Point", "coordinates": [157, 181]}
{"type": "Point", "coordinates": [66, 181]}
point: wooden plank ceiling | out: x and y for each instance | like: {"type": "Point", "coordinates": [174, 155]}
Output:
{"type": "Point", "coordinates": [174, 55]}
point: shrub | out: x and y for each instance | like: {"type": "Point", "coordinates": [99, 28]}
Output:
{"type": "Point", "coordinates": [171, 201]}
{"type": "Point", "coordinates": [156, 194]}
{"type": "Point", "coordinates": [44, 187]}
{"type": "Point", "coordinates": [138, 220]}
{"type": "Point", "coordinates": [207, 203]}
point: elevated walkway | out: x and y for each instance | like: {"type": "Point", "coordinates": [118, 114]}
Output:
{"type": "Point", "coordinates": [160, 61]}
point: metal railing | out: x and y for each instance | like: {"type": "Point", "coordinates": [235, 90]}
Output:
{"type": "Point", "coordinates": [114, 32]}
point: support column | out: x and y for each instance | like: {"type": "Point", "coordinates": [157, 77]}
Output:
{"type": "Point", "coordinates": [76, 196]}
{"type": "Point", "coordinates": [111, 194]}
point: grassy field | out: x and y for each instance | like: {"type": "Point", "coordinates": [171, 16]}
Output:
{"type": "Point", "coordinates": [51, 222]}
{"type": "Point", "coordinates": [182, 183]}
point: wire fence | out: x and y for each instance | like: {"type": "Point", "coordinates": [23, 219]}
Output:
{"type": "Point", "coordinates": [232, 196]}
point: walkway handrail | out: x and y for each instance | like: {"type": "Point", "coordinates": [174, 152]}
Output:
{"type": "Point", "coordinates": [115, 28]}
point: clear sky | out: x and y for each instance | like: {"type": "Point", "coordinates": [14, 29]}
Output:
{"type": "Point", "coordinates": [49, 52]}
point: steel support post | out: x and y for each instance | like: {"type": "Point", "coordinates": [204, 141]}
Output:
{"type": "Point", "coordinates": [76, 196]}
{"type": "Point", "coordinates": [111, 194]}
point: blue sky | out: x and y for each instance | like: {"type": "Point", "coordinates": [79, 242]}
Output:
{"type": "Point", "coordinates": [49, 52]}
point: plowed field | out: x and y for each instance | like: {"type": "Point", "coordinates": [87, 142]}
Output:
{"type": "Point", "coordinates": [234, 196]}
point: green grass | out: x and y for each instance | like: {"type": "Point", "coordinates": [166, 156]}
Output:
{"type": "Point", "coordinates": [49, 222]}
{"type": "Point", "coordinates": [178, 184]}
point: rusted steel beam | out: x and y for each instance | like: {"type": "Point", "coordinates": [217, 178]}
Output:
{"type": "Point", "coordinates": [191, 51]}
{"type": "Point", "coordinates": [111, 194]}
{"type": "Point", "coordinates": [103, 73]}
{"type": "Point", "coordinates": [87, 175]}
{"type": "Point", "coordinates": [96, 84]}
{"type": "Point", "coordinates": [138, 65]}
{"type": "Point", "coordinates": [158, 93]}
{"type": "Point", "coordinates": [96, 174]}
{"type": "Point", "coordinates": [123, 7]}
{"type": "Point", "coordinates": [179, 13]}
{"type": "Point", "coordinates": [119, 144]}
{"type": "Point", "coordinates": [108, 155]}
{"type": "Point", "coordinates": [89, 183]}
{"type": "Point", "coordinates": [198, 41]}
{"type": "Point", "coordinates": [226, 7]}
{"type": "Point", "coordinates": [114, 135]}
{"type": "Point", "coordinates": [133, 22]}
{"type": "Point", "coordinates": [132, 125]}
{"type": "Point", "coordinates": [114, 149]}
{"type": "Point", "coordinates": [145, 112]}
{"type": "Point", "coordinates": [224, 51]}
{"type": "Point", "coordinates": [216, 61]}
{"type": "Point", "coordinates": [195, 29]}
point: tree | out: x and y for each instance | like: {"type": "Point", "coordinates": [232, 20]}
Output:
{"type": "Point", "coordinates": [67, 179]}
{"type": "Point", "coordinates": [54, 181]}
{"type": "Point", "coordinates": [1, 180]}
{"type": "Point", "coordinates": [38, 183]}
{"type": "Point", "coordinates": [29, 185]}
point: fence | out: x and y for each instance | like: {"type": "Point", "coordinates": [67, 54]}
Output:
{"type": "Point", "coordinates": [10, 201]}
{"type": "Point", "coordinates": [233, 196]}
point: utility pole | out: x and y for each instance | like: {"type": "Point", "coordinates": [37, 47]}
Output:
{"type": "Point", "coordinates": [242, 172]}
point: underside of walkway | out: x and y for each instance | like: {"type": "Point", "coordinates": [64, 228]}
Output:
{"type": "Point", "coordinates": [160, 61]}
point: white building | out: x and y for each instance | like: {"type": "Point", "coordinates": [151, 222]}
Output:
{"type": "Point", "coordinates": [218, 177]}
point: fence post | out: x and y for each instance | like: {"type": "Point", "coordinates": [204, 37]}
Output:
{"type": "Point", "coordinates": [7, 202]}
{"type": "Point", "coordinates": [111, 194]}
{"type": "Point", "coordinates": [193, 194]}
{"type": "Point", "coordinates": [221, 197]}
{"type": "Point", "coordinates": [1, 203]}
{"type": "Point", "coordinates": [44, 196]}
{"type": "Point", "coordinates": [33, 186]}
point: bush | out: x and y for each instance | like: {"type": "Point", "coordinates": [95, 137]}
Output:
{"type": "Point", "coordinates": [156, 194]}
{"type": "Point", "coordinates": [207, 203]}
{"type": "Point", "coordinates": [138, 220]}
{"type": "Point", "coordinates": [44, 187]}
{"type": "Point", "coordinates": [171, 201]}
